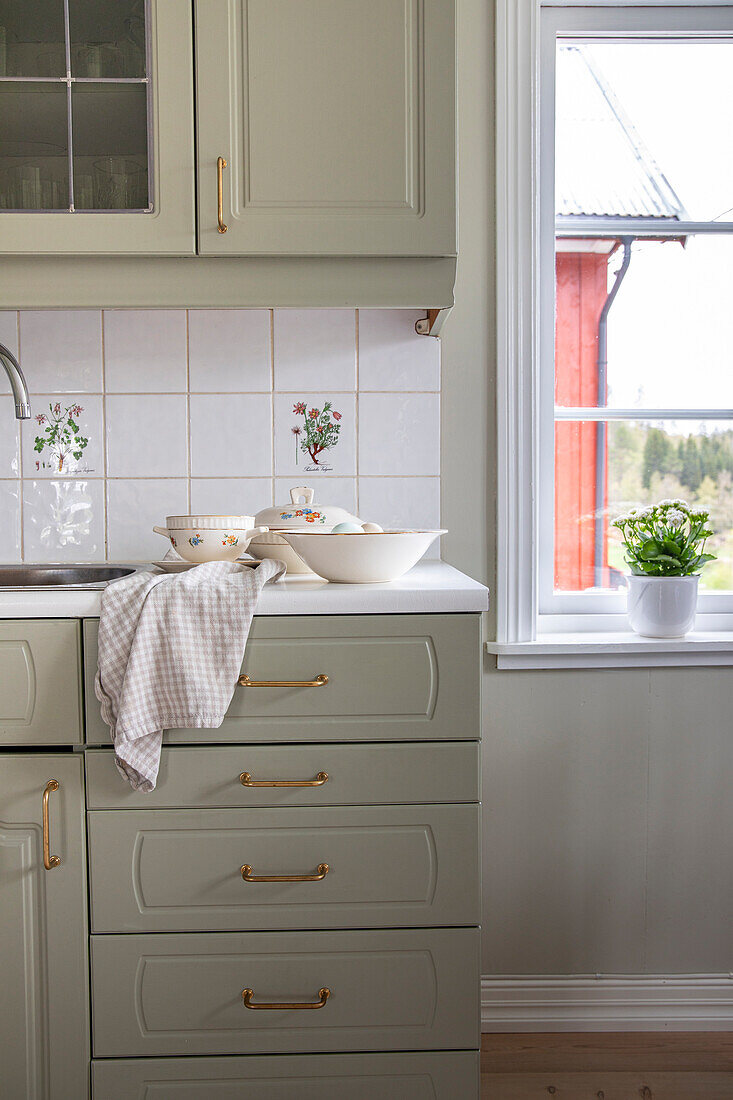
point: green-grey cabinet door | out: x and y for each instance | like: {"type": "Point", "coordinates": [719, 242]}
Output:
{"type": "Point", "coordinates": [40, 682]}
{"type": "Point", "coordinates": [44, 1025]}
{"type": "Point", "coordinates": [222, 870]}
{"type": "Point", "coordinates": [430, 1075]}
{"type": "Point", "coordinates": [187, 993]}
{"type": "Point", "coordinates": [96, 129]}
{"type": "Point", "coordinates": [336, 120]}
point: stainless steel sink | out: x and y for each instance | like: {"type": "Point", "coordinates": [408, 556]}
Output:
{"type": "Point", "coordinates": [61, 576]}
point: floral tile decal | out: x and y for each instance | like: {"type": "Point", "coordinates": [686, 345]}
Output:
{"type": "Point", "coordinates": [63, 438]}
{"type": "Point", "coordinates": [314, 434]}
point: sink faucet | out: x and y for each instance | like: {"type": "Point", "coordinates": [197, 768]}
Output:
{"type": "Point", "coordinates": [17, 383]}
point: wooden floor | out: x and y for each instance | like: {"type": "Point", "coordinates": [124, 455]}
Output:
{"type": "Point", "coordinates": [608, 1066]}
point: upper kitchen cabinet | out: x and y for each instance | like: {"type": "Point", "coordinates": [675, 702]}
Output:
{"type": "Point", "coordinates": [96, 127]}
{"type": "Point", "coordinates": [336, 120]}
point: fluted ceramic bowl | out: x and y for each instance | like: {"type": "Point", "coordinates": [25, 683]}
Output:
{"type": "Point", "coordinates": [209, 538]}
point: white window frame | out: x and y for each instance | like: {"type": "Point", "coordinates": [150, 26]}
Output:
{"type": "Point", "coordinates": [574, 629]}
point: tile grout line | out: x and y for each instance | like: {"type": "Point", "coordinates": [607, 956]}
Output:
{"type": "Point", "coordinates": [21, 505]}
{"type": "Point", "coordinates": [105, 471]}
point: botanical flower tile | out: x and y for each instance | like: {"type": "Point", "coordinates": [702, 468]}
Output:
{"type": "Point", "coordinates": [64, 437]}
{"type": "Point", "coordinates": [63, 520]}
{"type": "Point", "coordinates": [315, 435]}
{"type": "Point", "coordinates": [10, 526]}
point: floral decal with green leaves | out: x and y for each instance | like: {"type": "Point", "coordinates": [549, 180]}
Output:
{"type": "Point", "coordinates": [61, 437]}
{"type": "Point", "coordinates": [666, 540]}
{"type": "Point", "coordinates": [320, 430]}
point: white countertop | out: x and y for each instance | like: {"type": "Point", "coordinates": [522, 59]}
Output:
{"type": "Point", "coordinates": [431, 587]}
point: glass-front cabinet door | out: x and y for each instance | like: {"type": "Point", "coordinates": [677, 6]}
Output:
{"type": "Point", "coordinates": [96, 127]}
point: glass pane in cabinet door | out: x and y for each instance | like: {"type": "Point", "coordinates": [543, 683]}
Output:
{"type": "Point", "coordinates": [34, 161]}
{"type": "Point", "coordinates": [109, 123]}
{"type": "Point", "coordinates": [32, 38]}
{"type": "Point", "coordinates": [107, 39]}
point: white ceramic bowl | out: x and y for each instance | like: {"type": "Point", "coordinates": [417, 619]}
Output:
{"type": "Point", "coordinates": [361, 558]}
{"type": "Point", "coordinates": [209, 538]}
{"type": "Point", "coordinates": [273, 545]}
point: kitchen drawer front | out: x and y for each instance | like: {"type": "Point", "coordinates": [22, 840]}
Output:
{"type": "Point", "coordinates": [390, 678]}
{"type": "Point", "coordinates": [408, 772]}
{"type": "Point", "coordinates": [405, 1076]}
{"type": "Point", "coordinates": [181, 870]}
{"type": "Point", "coordinates": [183, 994]}
{"type": "Point", "coordinates": [40, 682]}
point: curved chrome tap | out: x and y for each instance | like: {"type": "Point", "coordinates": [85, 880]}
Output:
{"type": "Point", "coordinates": [17, 383]}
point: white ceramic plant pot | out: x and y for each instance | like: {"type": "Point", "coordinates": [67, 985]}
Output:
{"type": "Point", "coordinates": [661, 607]}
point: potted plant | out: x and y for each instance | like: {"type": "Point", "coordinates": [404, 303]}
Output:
{"type": "Point", "coordinates": [665, 551]}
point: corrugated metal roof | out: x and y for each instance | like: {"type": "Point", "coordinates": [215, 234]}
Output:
{"type": "Point", "coordinates": [602, 166]}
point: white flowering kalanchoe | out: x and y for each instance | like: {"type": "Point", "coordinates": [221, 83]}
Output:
{"type": "Point", "coordinates": [666, 540]}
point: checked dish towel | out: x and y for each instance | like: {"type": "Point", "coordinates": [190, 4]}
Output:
{"type": "Point", "coordinates": [171, 647]}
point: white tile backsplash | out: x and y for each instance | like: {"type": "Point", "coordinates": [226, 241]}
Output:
{"type": "Point", "coordinates": [231, 435]}
{"type": "Point", "coordinates": [11, 521]}
{"type": "Point", "coordinates": [315, 349]}
{"type": "Point", "coordinates": [146, 437]}
{"type": "Point", "coordinates": [64, 426]}
{"type": "Point", "coordinates": [391, 354]}
{"type": "Point", "coordinates": [145, 350]}
{"type": "Point", "coordinates": [8, 337]}
{"type": "Point", "coordinates": [339, 459]}
{"type": "Point", "coordinates": [61, 350]}
{"type": "Point", "coordinates": [63, 520]}
{"type": "Point", "coordinates": [193, 410]}
{"type": "Point", "coordinates": [134, 507]}
{"type": "Point", "coordinates": [230, 496]}
{"type": "Point", "coordinates": [229, 350]}
{"type": "Point", "coordinates": [399, 433]}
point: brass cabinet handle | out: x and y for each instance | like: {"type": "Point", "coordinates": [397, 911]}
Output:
{"type": "Point", "coordinates": [323, 995]}
{"type": "Point", "coordinates": [221, 164]}
{"type": "Point", "coordinates": [247, 875]}
{"type": "Point", "coordinates": [49, 861]}
{"type": "Point", "coordinates": [247, 781]}
{"type": "Point", "coordinates": [320, 681]}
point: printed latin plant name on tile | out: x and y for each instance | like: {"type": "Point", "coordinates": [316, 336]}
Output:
{"type": "Point", "coordinates": [320, 432]}
{"type": "Point", "coordinates": [61, 437]}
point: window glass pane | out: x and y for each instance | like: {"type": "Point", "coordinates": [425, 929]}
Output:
{"type": "Point", "coordinates": [668, 332]}
{"type": "Point", "coordinates": [34, 163]}
{"type": "Point", "coordinates": [107, 38]}
{"type": "Point", "coordinates": [604, 469]}
{"type": "Point", "coordinates": [110, 146]}
{"type": "Point", "coordinates": [645, 130]}
{"type": "Point", "coordinates": [32, 40]}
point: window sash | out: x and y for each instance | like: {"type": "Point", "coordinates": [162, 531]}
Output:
{"type": "Point", "coordinates": [527, 31]}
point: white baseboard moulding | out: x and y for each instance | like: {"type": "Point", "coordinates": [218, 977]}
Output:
{"type": "Point", "coordinates": [679, 1002]}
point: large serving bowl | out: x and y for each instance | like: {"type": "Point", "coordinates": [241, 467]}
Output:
{"type": "Point", "coordinates": [209, 538]}
{"type": "Point", "coordinates": [361, 558]}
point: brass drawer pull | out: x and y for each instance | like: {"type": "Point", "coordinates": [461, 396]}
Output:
{"type": "Point", "coordinates": [247, 875]}
{"type": "Point", "coordinates": [320, 681]}
{"type": "Point", "coordinates": [49, 861]}
{"type": "Point", "coordinates": [323, 995]}
{"type": "Point", "coordinates": [247, 781]}
{"type": "Point", "coordinates": [221, 164]}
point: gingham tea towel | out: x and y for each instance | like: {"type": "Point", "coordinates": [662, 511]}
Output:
{"type": "Point", "coordinates": [170, 651]}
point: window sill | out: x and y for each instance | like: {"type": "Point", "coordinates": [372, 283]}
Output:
{"type": "Point", "coordinates": [615, 650]}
